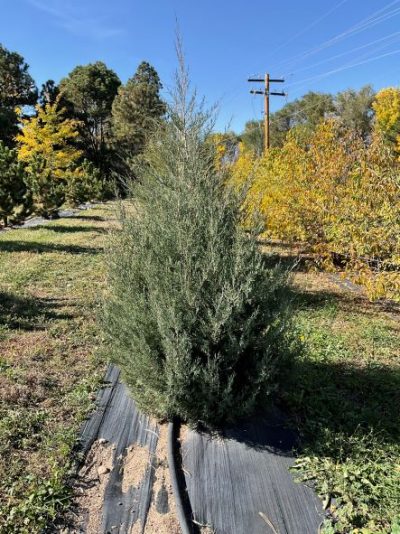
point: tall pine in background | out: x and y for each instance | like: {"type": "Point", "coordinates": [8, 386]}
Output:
{"type": "Point", "coordinates": [137, 109]}
{"type": "Point", "coordinates": [87, 94]}
{"type": "Point", "coordinates": [17, 88]}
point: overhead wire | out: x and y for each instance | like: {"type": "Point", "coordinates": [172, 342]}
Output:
{"type": "Point", "coordinates": [307, 28]}
{"type": "Point", "coordinates": [345, 67]}
{"type": "Point", "coordinates": [376, 18]}
{"type": "Point", "coordinates": [354, 49]}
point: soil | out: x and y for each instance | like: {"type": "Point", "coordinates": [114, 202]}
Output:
{"type": "Point", "coordinates": [93, 478]}
{"type": "Point", "coordinates": [162, 518]}
{"type": "Point", "coordinates": [135, 464]}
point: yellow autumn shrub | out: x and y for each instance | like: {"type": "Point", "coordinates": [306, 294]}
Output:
{"type": "Point", "coordinates": [53, 163]}
{"type": "Point", "coordinates": [335, 194]}
{"type": "Point", "coordinates": [386, 106]}
{"type": "Point", "coordinates": [48, 136]}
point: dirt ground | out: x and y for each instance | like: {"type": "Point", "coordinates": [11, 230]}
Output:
{"type": "Point", "coordinates": [95, 474]}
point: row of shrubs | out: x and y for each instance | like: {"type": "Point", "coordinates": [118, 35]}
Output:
{"type": "Point", "coordinates": [24, 193]}
{"type": "Point", "coordinates": [46, 168]}
{"type": "Point", "coordinates": [336, 193]}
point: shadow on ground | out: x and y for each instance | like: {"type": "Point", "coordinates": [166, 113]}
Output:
{"type": "Point", "coordinates": [331, 387]}
{"type": "Point", "coordinates": [98, 218]}
{"type": "Point", "coordinates": [346, 302]}
{"type": "Point", "coordinates": [289, 262]}
{"type": "Point", "coordinates": [344, 399]}
{"type": "Point", "coordinates": [40, 248]}
{"type": "Point", "coordinates": [63, 229]}
{"type": "Point", "coordinates": [350, 300]}
{"type": "Point", "coordinates": [268, 430]}
{"type": "Point", "coordinates": [29, 313]}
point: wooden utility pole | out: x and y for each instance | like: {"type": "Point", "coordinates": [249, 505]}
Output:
{"type": "Point", "coordinates": [266, 114]}
{"type": "Point", "coordinates": [267, 93]}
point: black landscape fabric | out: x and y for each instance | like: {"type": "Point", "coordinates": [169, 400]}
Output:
{"type": "Point", "coordinates": [240, 483]}
{"type": "Point", "coordinates": [118, 421]}
{"type": "Point", "coordinates": [237, 483]}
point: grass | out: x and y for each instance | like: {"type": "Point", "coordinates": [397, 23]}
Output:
{"type": "Point", "coordinates": [344, 395]}
{"type": "Point", "coordinates": [50, 283]}
{"type": "Point", "coordinates": [343, 391]}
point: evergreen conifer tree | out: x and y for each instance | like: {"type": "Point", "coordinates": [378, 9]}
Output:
{"type": "Point", "coordinates": [13, 191]}
{"type": "Point", "coordinates": [17, 88]}
{"type": "Point", "coordinates": [87, 94]}
{"type": "Point", "coordinates": [137, 109]}
{"type": "Point", "coordinates": [196, 319]}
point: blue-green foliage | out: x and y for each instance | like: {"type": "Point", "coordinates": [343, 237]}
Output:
{"type": "Point", "coordinates": [196, 319]}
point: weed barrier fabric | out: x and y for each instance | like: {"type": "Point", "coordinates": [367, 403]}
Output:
{"type": "Point", "coordinates": [33, 222]}
{"type": "Point", "coordinates": [239, 483]}
{"type": "Point", "coordinates": [121, 425]}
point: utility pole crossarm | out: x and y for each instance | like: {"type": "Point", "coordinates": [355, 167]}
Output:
{"type": "Point", "coordinates": [267, 93]}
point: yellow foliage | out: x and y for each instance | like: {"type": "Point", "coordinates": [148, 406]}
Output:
{"type": "Point", "coordinates": [48, 136]}
{"type": "Point", "coordinates": [51, 160]}
{"type": "Point", "coordinates": [387, 115]}
{"type": "Point", "coordinates": [387, 109]}
{"type": "Point", "coordinates": [223, 145]}
{"type": "Point", "coordinates": [333, 193]}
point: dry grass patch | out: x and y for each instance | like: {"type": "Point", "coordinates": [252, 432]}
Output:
{"type": "Point", "coordinates": [51, 279]}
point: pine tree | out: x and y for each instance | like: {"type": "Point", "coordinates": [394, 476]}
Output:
{"type": "Point", "coordinates": [50, 158]}
{"type": "Point", "coordinates": [196, 319]}
{"type": "Point", "coordinates": [48, 93]}
{"type": "Point", "coordinates": [13, 191]}
{"type": "Point", "coordinates": [137, 109]}
{"type": "Point", "coordinates": [88, 93]}
{"type": "Point", "coordinates": [17, 88]}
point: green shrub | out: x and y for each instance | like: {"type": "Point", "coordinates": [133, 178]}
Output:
{"type": "Point", "coordinates": [196, 319]}
{"type": "Point", "coordinates": [47, 190]}
{"type": "Point", "coordinates": [83, 184]}
{"type": "Point", "coordinates": [13, 191]}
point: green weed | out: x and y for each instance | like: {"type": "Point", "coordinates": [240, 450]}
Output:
{"type": "Point", "coordinates": [344, 394]}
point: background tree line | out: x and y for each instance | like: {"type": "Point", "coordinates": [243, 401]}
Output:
{"type": "Point", "coordinates": [353, 108]}
{"type": "Point", "coordinates": [71, 142]}
{"type": "Point", "coordinates": [331, 182]}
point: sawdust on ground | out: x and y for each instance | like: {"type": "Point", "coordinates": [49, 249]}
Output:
{"type": "Point", "coordinates": [183, 433]}
{"type": "Point", "coordinates": [93, 479]}
{"type": "Point", "coordinates": [157, 522]}
{"type": "Point", "coordinates": [135, 464]}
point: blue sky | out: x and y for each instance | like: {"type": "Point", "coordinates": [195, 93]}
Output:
{"type": "Point", "coordinates": [321, 45]}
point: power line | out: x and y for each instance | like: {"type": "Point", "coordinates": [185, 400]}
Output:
{"type": "Point", "coordinates": [368, 22]}
{"type": "Point", "coordinates": [376, 17]}
{"type": "Point", "coordinates": [336, 56]}
{"type": "Point", "coordinates": [345, 67]}
{"type": "Point", "coordinates": [307, 28]}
